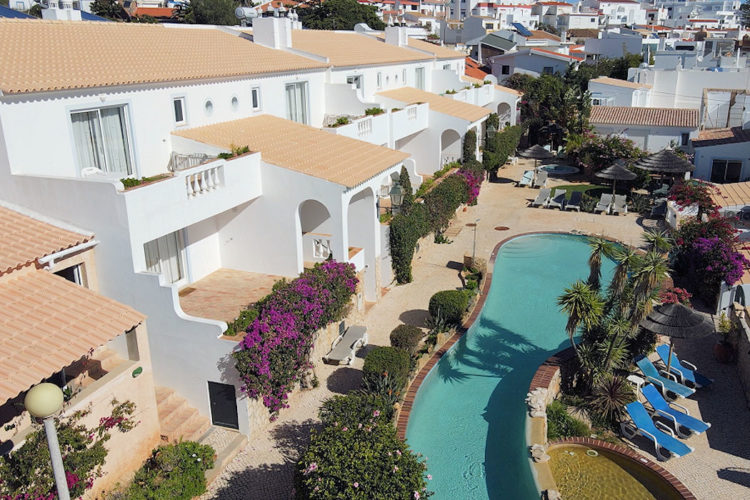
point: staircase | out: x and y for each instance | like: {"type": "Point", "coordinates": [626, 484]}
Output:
{"type": "Point", "coordinates": [226, 443]}
{"type": "Point", "coordinates": [177, 418]}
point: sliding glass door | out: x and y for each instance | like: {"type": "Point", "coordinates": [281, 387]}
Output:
{"type": "Point", "coordinates": [165, 256]}
{"type": "Point", "coordinates": [296, 102]}
{"type": "Point", "coordinates": [101, 140]}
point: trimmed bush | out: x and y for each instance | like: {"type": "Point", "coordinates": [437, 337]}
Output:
{"type": "Point", "coordinates": [561, 425]}
{"type": "Point", "coordinates": [367, 462]}
{"type": "Point", "coordinates": [469, 146]}
{"type": "Point", "coordinates": [356, 407]}
{"type": "Point", "coordinates": [450, 305]}
{"type": "Point", "coordinates": [173, 471]}
{"type": "Point", "coordinates": [406, 337]}
{"type": "Point", "coordinates": [381, 360]}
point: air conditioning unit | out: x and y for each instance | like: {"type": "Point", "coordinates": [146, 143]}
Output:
{"type": "Point", "coordinates": [730, 213]}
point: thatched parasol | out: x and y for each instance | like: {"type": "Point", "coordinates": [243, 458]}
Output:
{"type": "Point", "coordinates": [677, 321]}
{"type": "Point", "coordinates": [616, 172]}
{"type": "Point", "coordinates": [665, 162]}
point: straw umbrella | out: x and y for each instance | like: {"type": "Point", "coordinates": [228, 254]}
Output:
{"type": "Point", "coordinates": [665, 162]}
{"type": "Point", "coordinates": [536, 152]}
{"type": "Point", "coordinates": [677, 321]}
{"type": "Point", "coordinates": [616, 172]}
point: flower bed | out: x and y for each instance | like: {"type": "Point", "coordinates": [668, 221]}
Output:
{"type": "Point", "coordinates": [274, 354]}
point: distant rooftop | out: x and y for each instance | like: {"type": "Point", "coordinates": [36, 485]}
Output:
{"type": "Point", "coordinates": [655, 117]}
{"type": "Point", "coordinates": [620, 83]}
{"type": "Point", "coordinates": [441, 104]}
{"type": "Point", "coordinates": [715, 137]}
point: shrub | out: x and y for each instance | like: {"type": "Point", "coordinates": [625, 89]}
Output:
{"type": "Point", "coordinates": [450, 305]}
{"type": "Point", "coordinates": [686, 193]}
{"type": "Point", "coordinates": [274, 353]}
{"type": "Point", "coordinates": [396, 363]}
{"type": "Point", "coordinates": [367, 462]}
{"type": "Point", "coordinates": [405, 182]}
{"type": "Point", "coordinates": [588, 203]}
{"type": "Point", "coordinates": [242, 321]}
{"type": "Point", "coordinates": [505, 143]}
{"type": "Point", "coordinates": [173, 471]}
{"type": "Point", "coordinates": [129, 182]}
{"type": "Point", "coordinates": [562, 425]}
{"type": "Point", "coordinates": [406, 337]}
{"type": "Point", "coordinates": [356, 407]}
{"type": "Point", "coordinates": [717, 261]}
{"type": "Point", "coordinates": [444, 199]}
{"type": "Point", "coordinates": [469, 146]}
{"type": "Point", "coordinates": [374, 111]}
{"type": "Point", "coordinates": [675, 296]}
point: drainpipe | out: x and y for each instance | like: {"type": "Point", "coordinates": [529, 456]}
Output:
{"type": "Point", "coordinates": [49, 260]}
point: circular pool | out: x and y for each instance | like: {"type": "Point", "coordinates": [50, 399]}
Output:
{"type": "Point", "coordinates": [469, 415]}
{"type": "Point", "coordinates": [560, 170]}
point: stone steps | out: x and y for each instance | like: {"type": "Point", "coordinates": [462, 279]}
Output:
{"type": "Point", "coordinates": [179, 420]}
{"type": "Point", "coordinates": [227, 443]}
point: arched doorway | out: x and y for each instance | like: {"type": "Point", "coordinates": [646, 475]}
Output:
{"type": "Point", "coordinates": [363, 240]}
{"type": "Point", "coordinates": [503, 113]}
{"type": "Point", "coordinates": [316, 232]}
{"type": "Point", "coordinates": [450, 146]}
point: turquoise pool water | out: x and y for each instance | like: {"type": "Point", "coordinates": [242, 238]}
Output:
{"type": "Point", "coordinates": [560, 169]}
{"type": "Point", "coordinates": [469, 415]}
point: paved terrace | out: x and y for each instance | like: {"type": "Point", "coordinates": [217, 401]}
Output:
{"type": "Point", "coordinates": [264, 469]}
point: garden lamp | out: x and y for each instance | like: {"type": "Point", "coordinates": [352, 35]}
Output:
{"type": "Point", "coordinates": [397, 196]}
{"type": "Point", "coordinates": [44, 401]}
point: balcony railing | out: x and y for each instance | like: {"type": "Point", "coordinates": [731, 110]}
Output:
{"type": "Point", "coordinates": [178, 161]}
{"type": "Point", "coordinates": [364, 127]}
{"type": "Point", "coordinates": [204, 179]}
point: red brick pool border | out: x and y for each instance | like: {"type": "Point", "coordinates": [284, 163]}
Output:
{"type": "Point", "coordinates": [633, 456]}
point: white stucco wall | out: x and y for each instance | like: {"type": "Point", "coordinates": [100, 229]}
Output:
{"type": "Point", "coordinates": [705, 156]}
{"type": "Point", "coordinates": [652, 139]}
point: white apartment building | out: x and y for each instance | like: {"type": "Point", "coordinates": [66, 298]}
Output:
{"type": "Point", "coordinates": [618, 12]}
{"type": "Point", "coordinates": [710, 14]}
{"type": "Point", "coordinates": [606, 91]}
{"type": "Point", "coordinates": [162, 102]}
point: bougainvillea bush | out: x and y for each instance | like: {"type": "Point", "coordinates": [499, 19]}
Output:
{"type": "Point", "coordinates": [675, 295]}
{"type": "Point", "coordinates": [26, 473]}
{"type": "Point", "coordinates": [717, 261]}
{"type": "Point", "coordinates": [362, 459]}
{"type": "Point", "coordinates": [473, 183]}
{"type": "Point", "coordinates": [695, 191]}
{"type": "Point", "coordinates": [274, 354]}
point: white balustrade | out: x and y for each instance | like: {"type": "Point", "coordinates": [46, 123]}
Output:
{"type": "Point", "coordinates": [364, 127]}
{"type": "Point", "coordinates": [411, 113]}
{"type": "Point", "coordinates": [203, 180]}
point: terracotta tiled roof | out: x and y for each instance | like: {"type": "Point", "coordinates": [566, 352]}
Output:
{"type": "Point", "coordinates": [620, 83]}
{"type": "Point", "coordinates": [24, 239]}
{"type": "Point", "coordinates": [656, 117]}
{"type": "Point", "coordinates": [553, 53]}
{"type": "Point", "coordinates": [719, 136]}
{"type": "Point", "coordinates": [48, 323]}
{"type": "Point", "coordinates": [301, 148]}
{"type": "Point", "coordinates": [543, 35]}
{"type": "Point", "coordinates": [559, 4]}
{"type": "Point", "coordinates": [471, 69]}
{"type": "Point", "coordinates": [439, 51]}
{"type": "Point", "coordinates": [352, 49]}
{"type": "Point", "coordinates": [441, 104]}
{"type": "Point", "coordinates": [38, 55]}
{"type": "Point", "coordinates": [469, 79]}
{"type": "Point", "coordinates": [154, 11]}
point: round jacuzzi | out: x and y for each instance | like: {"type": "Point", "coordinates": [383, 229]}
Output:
{"type": "Point", "coordinates": [560, 170]}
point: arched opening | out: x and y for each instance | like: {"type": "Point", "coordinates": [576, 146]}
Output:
{"type": "Point", "coordinates": [362, 238]}
{"type": "Point", "coordinates": [503, 113]}
{"type": "Point", "coordinates": [450, 146]}
{"type": "Point", "coordinates": [316, 232]}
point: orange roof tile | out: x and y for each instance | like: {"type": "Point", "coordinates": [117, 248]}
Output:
{"type": "Point", "coordinates": [441, 104]}
{"type": "Point", "coordinates": [714, 137]}
{"type": "Point", "coordinates": [36, 55]}
{"type": "Point", "coordinates": [655, 117]}
{"type": "Point", "coordinates": [23, 239]}
{"type": "Point", "coordinates": [543, 35]}
{"type": "Point", "coordinates": [439, 51]}
{"type": "Point", "coordinates": [154, 11]}
{"type": "Point", "coordinates": [620, 83]}
{"type": "Point", "coordinates": [472, 70]}
{"type": "Point", "coordinates": [308, 150]}
{"type": "Point", "coordinates": [553, 53]}
{"type": "Point", "coordinates": [352, 49]}
{"type": "Point", "coordinates": [52, 323]}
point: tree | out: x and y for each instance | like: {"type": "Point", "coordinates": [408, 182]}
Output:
{"type": "Point", "coordinates": [219, 12]}
{"type": "Point", "coordinates": [109, 9]}
{"type": "Point", "coordinates": [338, 15]}
{"type": "Point", "coordinates": [470, 146]}
{"type": "Point", "coordinates": [408, 191]}
{"type": "Point", "coordinates": [599, 248]}
{"type": "Point", "coordinates": [583, 307]}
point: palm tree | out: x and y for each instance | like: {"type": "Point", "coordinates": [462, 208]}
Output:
{"type": "Point", "coordinates": [599, 248]}
{"type": "Point", "coordinates": [651, 272]}
{"type": "Point", "coordinates": [658, 240]}
{"type": "Point", "coordinates": [583, 306]}
{"type": "Point", "coordinates": [609, 397]}
{"type": "Point", "coordinates": [617, 329]}
{"type": "Point", "coordinates": [627, 260]}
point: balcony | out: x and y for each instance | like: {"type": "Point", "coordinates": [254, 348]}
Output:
{"type": "Point", "coordinates": [191, 195]}
{"type": "Point", "coordinates": [410, 120]}
{"type": "Point", "coordinates": [372, 129]}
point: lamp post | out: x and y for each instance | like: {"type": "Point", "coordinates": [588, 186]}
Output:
{"type": "Point", "coordinates": [397, 197]}
{"type": "Point", "coordinates": [474, 247]}
{"type": "Point", "coordinates": [44, 401]}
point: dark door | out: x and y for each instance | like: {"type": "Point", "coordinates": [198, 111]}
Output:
{"type": "Point", "coordinates": [223, 405]}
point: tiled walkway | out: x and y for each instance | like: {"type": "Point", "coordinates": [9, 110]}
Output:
{"type": "Point", "coordinates": [224, 293]}
{"type": "Point", "coordinates": [264, 470]}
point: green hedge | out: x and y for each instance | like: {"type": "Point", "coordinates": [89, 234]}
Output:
{"type": "Point", "coordinates": [175, 471]}
{"type": "Point", "coordinates": [394, 362]}
{"type": "Point", "coordinates": [450, 305]}
{"type": "Point", "coordinates": [406, 337]}
{"type": "Point", "coordinates": [356, 407]}
{"type": "Point", "coordinates": [506, 143]}
{"type": "Point", "coordinates": [469, 146]}
{"type": "Point", "coordinates": [561, 425]}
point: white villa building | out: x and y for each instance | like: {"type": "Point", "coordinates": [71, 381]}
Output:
{"type": "Point", "coordinates": [618, 12]}
{"type": "Point", "coordinates": [138, 104]}
{"type": "Point", "coordinates": [652, 129]}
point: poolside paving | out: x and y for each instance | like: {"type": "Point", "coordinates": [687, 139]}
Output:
{"type": "Point", "coordinates": [264, 469]}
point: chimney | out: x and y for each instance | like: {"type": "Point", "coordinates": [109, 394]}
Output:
{"type": "Point", "coordinates": [396, 35]}
{"type": "Point", "coordinates": [274, 32]}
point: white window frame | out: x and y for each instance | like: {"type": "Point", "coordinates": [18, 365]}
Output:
{"type": "Point", "coordinates": [128, 131]}
{"type": "Point", "coordinates": [255, 102]}
{"type": "Point", "coordinates": [182, 101]}
{"type": "Point", "coordinates": [379, 80]}
{"type": "Point", "coordinates": [306, 104]}
{"type": "Point", "coordinates": [403, 76]}
{"type": "Point", "coordinates": [181, 257]}
{"type": "Point", "coordinates": [726, 162]}
{"type": "Point", "coordinates": [358, 83]}
{"type": "Point", "coordinates": [417, 72]}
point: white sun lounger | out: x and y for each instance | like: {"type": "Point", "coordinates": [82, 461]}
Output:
{"type": "Point", "coordinates": [541, 179]}
{"type": "Point", "coordinates": [620, 205]}
{"type": "Point", "coordinates": [542, 198]}
{"type": "Point", "coordinates": [574, 203]}
{"type": "Point", "coordinates": [346, 345]}
{"type": "Point", "coordinates": [605, 203]}
{"type": "Point", "coordinates": [558, 200]}
{"type": "Point", "coordinates": [527, 179]}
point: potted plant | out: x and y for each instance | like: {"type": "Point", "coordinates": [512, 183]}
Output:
{"type": "Point", "coordinates": [723, 349]}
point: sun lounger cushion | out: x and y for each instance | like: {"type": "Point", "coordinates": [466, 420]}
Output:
{"type": "Point", "coordinates": [574, 203]}
{"type": "Point", "coordinates": [653, 375]}
{"type": "Point", "coordinates": [558, 200]}
{"type": "Point", "coordinates": [346, 345]}
{"type": "Point", "coordinates": [605, 202]}
{"type": "Point", "coordinates": [661, 407]}
{"type": "Point", "coordinates": [645, 427]}
{"type": "Point", "coordinates": [541, 198]}
{"type": "Point", "coordinates": [683, 372]}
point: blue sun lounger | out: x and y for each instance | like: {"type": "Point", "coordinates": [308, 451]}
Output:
{"type": "Point", "coordinates": [664, 383]}
{"type": "Point", "coordinates": [643, 425]}
{"type": "Point", "coordinates": [678, 418]}
{"type": "Point", "coordinates": [527, 179]}
{"type": "Point", "coordinates": [685, 371]}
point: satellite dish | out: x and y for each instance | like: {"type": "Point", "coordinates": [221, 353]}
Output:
{"type": "Point", "coordinates": [245, 13]}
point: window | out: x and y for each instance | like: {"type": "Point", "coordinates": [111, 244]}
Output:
{"type": "Point", "coordinates": [505, 69]}
{"type": "Point", "coordinates": [296, 102]}
{"type": "Point", "coordinates": [165, 256]}
{"type": "Point", "coordinates": [380, 80]}
{"type": "Point", "coordinates": [179, 110]}
{"type": "Point", "coordinates": [419, 78]}
{"type": "Point", "coordinates": [447, 66]}
{"type": "Point", "coordinates": [255, 97]}
{"type": "Point", "coordinates": [403, 76]}
{"type": "Point", "coordinates": [356, 82]}
{"type": "Point", "coordinates": [726, 170]}
{"type": "Point", "coordinates": [209, 107]}
{"type": "Point", "coordinates": [235, 103]}
{"type": "Point", "coordinates": [684, 138]}
{"type": "Point", "coordinates": [72, 274]}
{"type": "Point", "coordinates": [548, 70]}
{"type": "Point", "coordinates": [101, 138]}
{"type": "Point", "coordinates": [596, 102]}
{"type": "Point", "coordinates": [20, 6]}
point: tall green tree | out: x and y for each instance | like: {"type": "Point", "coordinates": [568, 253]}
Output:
{"type": "Point", "coordinates": [600, 247]}
{"type": "Point", "coordinates": [405, 182]}
{"type": "Point", "coordinates": [584, 308]}
{"type": "Point", "coordinates": [219, 12]}
{"type": "Point", "coordinates": [109, 9]}
{"type": "Point", "coordinates": [338, 15]}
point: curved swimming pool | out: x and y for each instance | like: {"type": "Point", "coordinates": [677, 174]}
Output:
{"type": "Point", "coordinates": [469, 414]}
{"type": "Point", "coordinates": [560, 170]}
